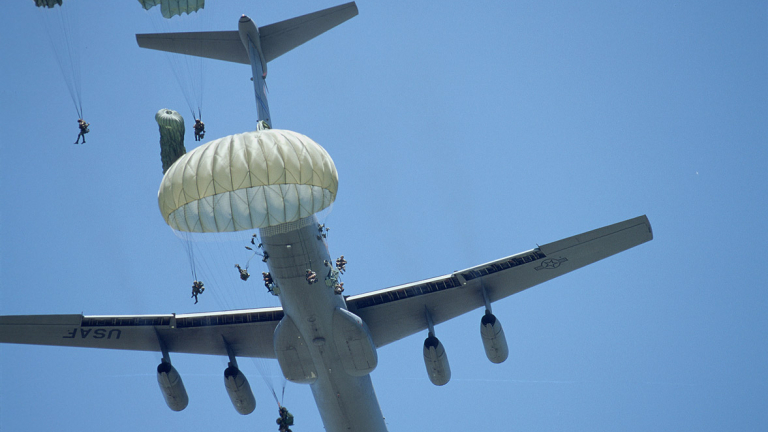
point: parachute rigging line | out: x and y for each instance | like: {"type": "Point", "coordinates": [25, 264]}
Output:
{"type": "Point", "coordinates": [188, 70]}
{"type": "Point", "coordinates": [270, 385]}
{"type": "Point", "coordinates": [189, 249]}
{"type": "Point", "coordinates": [68, 57]}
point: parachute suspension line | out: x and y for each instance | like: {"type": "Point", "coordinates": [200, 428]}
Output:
{"type": "Point", "coordinates": [66, 50]}
{"type": "Point", "coordinates": [200, 69]}
{"type": "Point", "coordinates": [187, 70]}
{"type": "Point", "coordinates": [201, 269]}
{"type": "Point", "coordinates": [265, 370]}
{"type": "Point", "coordinates": [212, 258]}
{"type": "Point", "coordinates": [184, 237]}
{"type": "Point", "coordinates": [74, 53]}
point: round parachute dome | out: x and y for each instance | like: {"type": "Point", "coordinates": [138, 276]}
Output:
{"type": "Point", "coordinates": [171, 8]}
{"type": "Point", "coordinates": [47, 3]}
{"type": "Point", "coordinates": [170, 119]}
{"type": "Point", "coordinates": [247, 181]}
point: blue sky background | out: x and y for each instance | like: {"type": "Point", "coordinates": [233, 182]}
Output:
{"type": "Point", "coordinates": [462, 132]}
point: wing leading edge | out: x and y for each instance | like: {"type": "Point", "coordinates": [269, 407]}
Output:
{"type": "Point", "coordinates": [248, 332]}
{"type": "Point", "coordinates": [390, 314]}
{"type": "Point", "coordinates": [394, 313]}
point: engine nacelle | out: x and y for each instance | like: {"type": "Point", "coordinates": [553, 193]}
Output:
{"type": "Point", "coordinates": [494, 342]}
{"type": "Point", "coordinates": [239, 390]}
{"type": "Point", "coordinates": [436, 360]}
{"type": "Point", "coordinates": [172, 387]}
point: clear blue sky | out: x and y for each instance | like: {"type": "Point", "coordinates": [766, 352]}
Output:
{"type": "Point", "coordinates": [462, 132]}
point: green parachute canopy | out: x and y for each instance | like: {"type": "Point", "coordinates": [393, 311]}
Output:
{"type": "Point", "coordinates": [47, 3]}
{"type": "Point", "coordinates": [247, 181]}
{"type": "Point", "coordinates": [171, 8]}
{"type": "Point", "coordinates": [171, 136]}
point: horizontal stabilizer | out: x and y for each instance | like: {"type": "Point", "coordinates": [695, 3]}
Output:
{"type": "Point", "coordinates": [276, 39]}
{"type": "Point", "coordinates": [279, 38]}
{"type": "Point", "coordinates": [218, 45]}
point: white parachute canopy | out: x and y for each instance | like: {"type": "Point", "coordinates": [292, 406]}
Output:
{"type": "Point", "coordinates": [170, 8]}
{"type": "Point", "coordinates": [248, 181]}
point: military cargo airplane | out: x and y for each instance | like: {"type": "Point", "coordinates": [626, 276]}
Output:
{"type": "Point", "coordinates": [319, 336]}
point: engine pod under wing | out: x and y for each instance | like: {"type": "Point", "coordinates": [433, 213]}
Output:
{"type": "Point", "coordinates": [354, 343]}
{"type": "Point", "coordinates": [494, 341]}
{"type": "Point", "coordinates": [172, 387]}
{"type": "Point", "coordinates": [239, 390]}
{"type": "Point", "coordinates": [436, 360]}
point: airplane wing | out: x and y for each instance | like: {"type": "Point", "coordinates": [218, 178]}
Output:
{"type": "Point", "coordinates": [391, 314]}
{"type": "Point", "coordinates": [394, 313]}
{"type": "Point", "coordinates": [249, 332]}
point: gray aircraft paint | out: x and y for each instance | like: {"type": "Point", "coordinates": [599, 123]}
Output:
{"type": "Point", "coordinates": [345, 402]}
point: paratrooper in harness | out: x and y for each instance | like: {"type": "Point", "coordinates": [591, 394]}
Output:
{"type": "Point", "coordinates": [311, 277]}
{"type": "Point", "coordinates": [243, 272]}
{"type": "Point", "coordinates": [341, 264]}
{"type": "Point", "coordinates": [197, 289]}
{"type": "Point", "coordinates": [322, 231]}
{"type": "Point", "coordinates": [339, 288]}
{"type": "Point", "coordinates": [83, 130]}
{"type": "Point", "coordinates": [268, 281]}
{"type": "Point", "coordinates": [285, 420]}
{"type": "Point", "coordinates": [199, 129]}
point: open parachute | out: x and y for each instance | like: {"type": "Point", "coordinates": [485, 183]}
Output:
{"type": "Point", "coordinates": [247, 181]}
{"type": "Point", "coordinates": [47, 3]}
{"type": "Point", "coordinates": [170, 8]}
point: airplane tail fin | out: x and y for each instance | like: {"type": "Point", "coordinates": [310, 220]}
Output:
{"type": "Point", "coordinates": [275, 39]}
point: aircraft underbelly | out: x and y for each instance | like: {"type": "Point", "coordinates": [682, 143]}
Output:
{"type": "Point", "coordinates": [346, 401]}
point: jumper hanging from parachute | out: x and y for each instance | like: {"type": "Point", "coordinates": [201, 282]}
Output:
{"type": "Point", "coordinates": [177, 16]}
{"type": "Point", "coordinates": [216, 195]}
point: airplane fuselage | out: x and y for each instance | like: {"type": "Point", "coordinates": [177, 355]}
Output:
{"type": "Point", "coordinates": [345, 402]}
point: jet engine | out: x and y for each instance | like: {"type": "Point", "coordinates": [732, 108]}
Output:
{"type": "Point", "coordinates": [494, 342]}
{"type": "Point", "coordinates": [239, 390]}
{"type": "Point", "coordinates": [172, 387]}
{"type": "Point", "coordinates": [436, 360]}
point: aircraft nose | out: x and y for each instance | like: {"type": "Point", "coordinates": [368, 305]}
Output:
{"type": "Point", "coordinates": [244, 18]}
